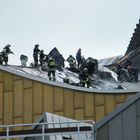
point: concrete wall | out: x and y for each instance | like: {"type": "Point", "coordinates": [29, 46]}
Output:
{"type": "Point", "coordinates": [23, 100]}
{"type": "Point", "coordinates": [123, 126]}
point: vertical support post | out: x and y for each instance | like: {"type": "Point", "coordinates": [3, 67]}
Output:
{"type": "Point", "coordinates": [78, 130]}
{"type": "Point", "coordinates": [7, 132]}
{"type": "Point", "coordinates": [93, 132]}
{"type": "Point", "coordinates": [43, 127]}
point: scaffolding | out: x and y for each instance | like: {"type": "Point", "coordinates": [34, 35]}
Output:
{"type": "Point", "coordinates": [75, 128]}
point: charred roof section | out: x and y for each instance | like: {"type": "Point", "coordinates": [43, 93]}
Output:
{"type": "Point", "coordinates": [135, 39]}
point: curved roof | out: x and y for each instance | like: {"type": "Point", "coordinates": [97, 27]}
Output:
{"type": "Point", "coordinates": [41, 76]}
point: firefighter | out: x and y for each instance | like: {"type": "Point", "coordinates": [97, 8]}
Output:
{"type": "Point", "coordinates": [51, 66]}
{"type": "Point", "coordinates": [23, 59]}
{"type": "Point", "coordinates": [1, 58]}
{"type": "Point", "coordinates": [78, 58]}
{"type": "Point", "coordinates": [72, 61]}
{"type": "Point", "coordinates": [120, 71]}
{"type": "Point", "coordinates": [36, 52]}
{"type": "Point", "coordinates": [132, 73]}
{"type": "Point", "coordinates": [41, 57]}
{"type": "Point", "coordinates": [84, 78]}
{"type": "Point", "coordinates": [6, 51]}
{"type": "Point", "coordinates": [46, 59]}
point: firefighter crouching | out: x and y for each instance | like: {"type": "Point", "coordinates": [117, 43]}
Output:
{"type": "Point", "coordinates": [72, 61]}
{"type": "Point", "coordinates": [132, 73]}
{"type": "Point", "coordinates": [23, 59]}
{"type": "Point", "coordinates": [51, 66]}
{"type": "Point", "coordinates": [84, 78]}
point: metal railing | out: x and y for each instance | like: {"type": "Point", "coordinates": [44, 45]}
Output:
{"type": "Point", "coordinates": [47, 129]}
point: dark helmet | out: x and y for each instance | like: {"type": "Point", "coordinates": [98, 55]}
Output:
{"type": "Point", "coordinates": [79, 49]}
{"type": "Point", "coordinates": [37, 45]}
{"type": "Point", "coordinates": [42, 50]}
{"type": "Point", "coordinates": [8, 45]}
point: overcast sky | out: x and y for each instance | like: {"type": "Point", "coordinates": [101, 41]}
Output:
{"type": "Point", "coordinates": [101, 28]}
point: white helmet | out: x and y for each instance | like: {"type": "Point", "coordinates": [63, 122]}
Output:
{"type": "Point", "coordinates": [85, 69]}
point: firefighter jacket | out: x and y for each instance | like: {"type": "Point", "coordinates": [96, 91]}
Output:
{"type": "Point", "coordinates": [84, 77]}
{"type": "Point", "coordinates": [71, 60]}
{"type": "Point", "coordinates": [51, 64]}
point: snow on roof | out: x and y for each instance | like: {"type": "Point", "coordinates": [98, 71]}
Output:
{"type": "Point", "coordinates": [109, 61]}
{"type": "Point", "coordinates": [97, 84]}
{"type": "Point", "coordinates": [104, 69]}
{"type": "Point", "coordinates": [73, 77]}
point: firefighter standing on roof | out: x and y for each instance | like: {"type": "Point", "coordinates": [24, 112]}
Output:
{"type": "Point", "coordinates": [36, 52]}
{"type": "Point", "coordinates": [41, 57]}
{"type": "Point", "coordinates": [84, 78]}
{"type": "Point", "coordinates": [6, 51]}
{"type": "Point", "coordinates": [79, 58]}
{"type": "Point", "coordinates": [51, 66]}
{"type": "Point", "coordinates": [120, 71]}
{"type": "Point", "coordinates": [1, 58]}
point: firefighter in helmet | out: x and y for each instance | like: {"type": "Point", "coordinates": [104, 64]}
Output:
{"type": "Point", "coordinates": [72, 61]}
{"type": "Point", "coordinates": [23, 59]}
{"type": "Point", "coordinates": [41, 57]}
{"type": "Point", "coordinates": [36, 52]}
{"type": "Point", "coordinates": [1, 58]}
{"type": "Point", "coordinates": [79, 58]}
{"type": "Point", "coordinates": [84, 78]}
{"type": "Point", "coordinates": [6, 51]}
{"type": "Point", "coordinates": [51, 66]}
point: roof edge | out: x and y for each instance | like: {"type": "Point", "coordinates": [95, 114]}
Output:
{"type": "Point", "coordinates": [64, 85]}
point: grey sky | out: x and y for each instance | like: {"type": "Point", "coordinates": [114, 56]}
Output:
{"type": "Point", "coordinates": [101, 28]}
